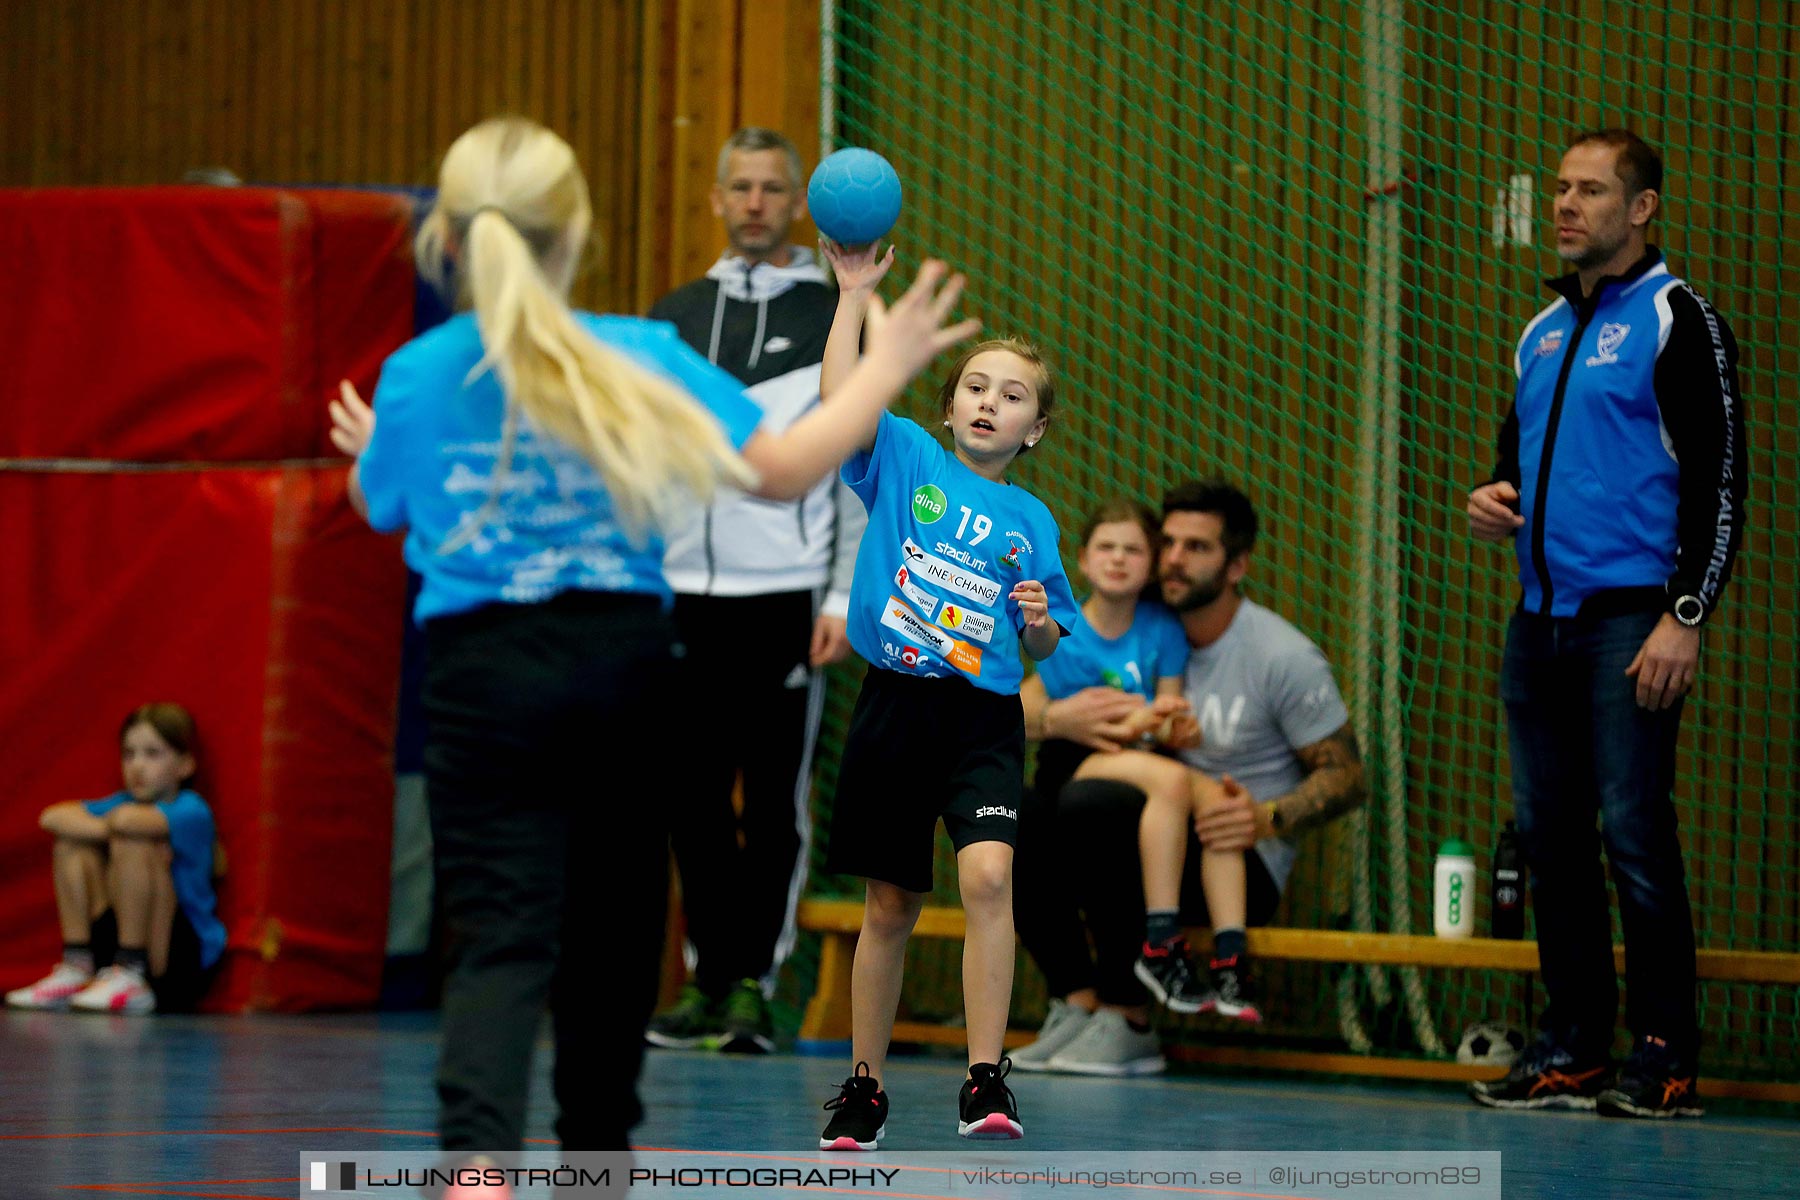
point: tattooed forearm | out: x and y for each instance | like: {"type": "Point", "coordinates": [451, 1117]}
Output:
{"type": "Point", "coordinates": [1332, 787]}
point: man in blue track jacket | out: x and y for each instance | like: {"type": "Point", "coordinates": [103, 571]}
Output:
{"type": "Point", "coordinates": [1621, 480]}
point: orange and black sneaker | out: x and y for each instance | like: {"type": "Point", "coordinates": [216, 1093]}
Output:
{"type": "Point", "coordinates": [1653, 1083]}
{"type": "Point", "coordinates": [1546, 1076]}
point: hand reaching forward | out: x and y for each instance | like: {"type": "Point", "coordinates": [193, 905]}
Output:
{"type": "Point", "coordinates": [914, 332]}
{"type": "Point", "coordinates": [352, 421]}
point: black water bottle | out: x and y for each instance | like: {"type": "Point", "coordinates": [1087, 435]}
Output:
{"type": "Point", "coordinates": [1508, 909]}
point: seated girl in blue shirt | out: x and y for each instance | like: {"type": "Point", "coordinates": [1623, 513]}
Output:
{"type": "Point", "coordinates": [1136, 644]}
{"type": "Point", "coordinates": [134, 881]}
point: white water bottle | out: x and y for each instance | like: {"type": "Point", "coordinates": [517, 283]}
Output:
{"type": "Point", "coordinates": [1453, 896]}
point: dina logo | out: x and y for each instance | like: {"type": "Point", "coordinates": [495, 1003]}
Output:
{"type": "Point", "coordinates": [929, 504]}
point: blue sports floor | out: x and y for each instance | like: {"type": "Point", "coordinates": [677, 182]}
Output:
{"type": "Point", "coordinates": [221, 1107]}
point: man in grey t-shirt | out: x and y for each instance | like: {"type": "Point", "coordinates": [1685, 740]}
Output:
{"type": "Point", "coordinates": [1263, 694]}
{"type": "Point", "coordinates": [1272, 723]}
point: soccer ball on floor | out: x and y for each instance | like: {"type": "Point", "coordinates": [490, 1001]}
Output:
{"type": "Point", "coordinates": [1490, 1044]}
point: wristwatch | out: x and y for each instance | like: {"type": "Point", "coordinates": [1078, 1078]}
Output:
{"type": "Point", "coordinates": [1689, 611]}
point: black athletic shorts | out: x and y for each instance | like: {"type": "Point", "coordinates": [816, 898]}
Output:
{"type": "Point", "coordinates": [183, 982]}
{"type": "Point", "coordinates": [920, 749]}
{"type": "Point", "coordinates": [1057, 761]}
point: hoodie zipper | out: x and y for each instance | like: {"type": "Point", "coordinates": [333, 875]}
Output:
{"type": "Point", "coordinates": [712, 356]}
{"type": "Point", "coordinates": [1540, 557]}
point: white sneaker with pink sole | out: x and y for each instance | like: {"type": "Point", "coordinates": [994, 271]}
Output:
{"type": "Point", "coordinates": [117, 990]}
{"type": "Point", "coordinates": [53, 990]}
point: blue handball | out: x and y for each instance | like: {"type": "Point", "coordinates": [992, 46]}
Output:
{"type": "Point", "coordinates": [854, 197]}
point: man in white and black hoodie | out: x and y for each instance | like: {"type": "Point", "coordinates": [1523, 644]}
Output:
{"type": "Point", "coordinates": [761, 591]}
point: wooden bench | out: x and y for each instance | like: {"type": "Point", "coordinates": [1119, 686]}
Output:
{"type": "Point", "coordinates": [838, 922]}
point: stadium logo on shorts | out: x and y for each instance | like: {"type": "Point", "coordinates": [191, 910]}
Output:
{"type": "Point", "coordinates": [929, 503]}
{"type": "Point", "coordinates": [995, 810]}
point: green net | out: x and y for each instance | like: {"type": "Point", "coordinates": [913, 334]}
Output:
{"type": "Point", "coordinates": [1294, 244]}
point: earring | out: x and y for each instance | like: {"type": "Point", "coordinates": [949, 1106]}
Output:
{"type": "Point", "coordinates": [946, 424]}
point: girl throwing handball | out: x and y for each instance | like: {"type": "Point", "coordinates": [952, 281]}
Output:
{"type": "Point", "coordinates": [958, 572]}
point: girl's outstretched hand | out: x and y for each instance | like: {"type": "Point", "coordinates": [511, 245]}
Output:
{"type": "Point", "coordinates": [352, 421]}
{"type": "Point", "coordinates": [857, 269]}
{"type": "Point", "coordinates": [914, 331]}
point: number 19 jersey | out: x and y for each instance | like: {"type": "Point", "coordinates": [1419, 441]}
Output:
{"type": "Point", "coordinates": [939, 560]}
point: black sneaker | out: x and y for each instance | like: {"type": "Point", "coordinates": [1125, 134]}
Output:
{"type": "Point", "coordinates": [1545, 1076]}
{"type": "Point", "coordinates": [860, 1116]}
{"type": "Point", "coordinates": [691, 1021]}
{"type": "Point", "coordinates": [748, 1029]}
{"type": "Point", "coordinates": [1232, 994]}
{"type": "Point", "coordinates": [1653, 1083]}
{"type": "Point", "coordinates": [985, 1106]}
{"type": "Point", "coordinates": [1169, 974]}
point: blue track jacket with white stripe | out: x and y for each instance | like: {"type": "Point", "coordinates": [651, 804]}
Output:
{"type": "Point", "coordinates": [1626, 442]}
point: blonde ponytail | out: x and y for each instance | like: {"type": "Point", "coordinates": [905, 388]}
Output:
{"type": "Point", "coordinates": [516, 193]}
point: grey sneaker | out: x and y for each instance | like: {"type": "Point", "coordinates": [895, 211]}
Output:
{"type": "Point", "coordinates": [1061, 1026]}
{"type": "Point", "coordinates": [1107, 1045]}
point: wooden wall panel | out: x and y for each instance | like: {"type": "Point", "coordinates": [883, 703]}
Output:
{"type": "Point", "coordinates": [373, 91]}
{"type": "Point", "coordinates": [713, 66]}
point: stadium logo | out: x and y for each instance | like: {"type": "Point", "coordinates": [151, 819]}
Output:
{"type": "Point", "coordinates": [929, 503]}
{"type": "Point", "coordinates": [948, 575]}
{"type": "Point", "coordinates": [1549, 344]}
{"type": "Point", "coordinates": [1612, 336]}
{"type": "Point", "coordinates": [994, 810]}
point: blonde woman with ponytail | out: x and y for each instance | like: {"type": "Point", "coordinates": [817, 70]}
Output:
{"type": "Point", "coordinates": [533, 453]}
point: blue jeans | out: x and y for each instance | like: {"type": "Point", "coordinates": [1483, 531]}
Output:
{"type": "Point", "coordinates": [1582, 749]}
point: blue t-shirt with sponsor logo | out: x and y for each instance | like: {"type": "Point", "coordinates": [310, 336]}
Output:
{"type": "Point", "coordinates": [939, 560]}
{"type": "Point", "coordinates": [191, 863]}
{"type": "Point", "coordinates": [429, 468]}
{"type": "Point", "coordinates": [1155, 647]}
